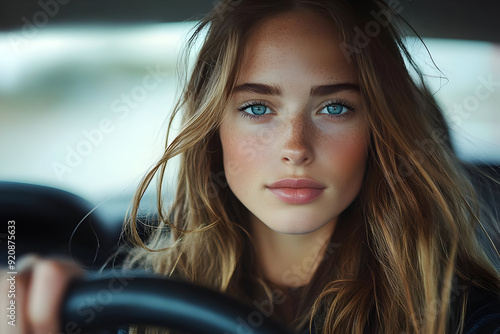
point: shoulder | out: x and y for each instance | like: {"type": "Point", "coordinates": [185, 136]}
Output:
{"type": "Point", "coordinates": [482, 312]}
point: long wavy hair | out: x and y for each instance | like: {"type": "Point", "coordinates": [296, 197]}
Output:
{"type": "Point", "coordinates": [400, 247]}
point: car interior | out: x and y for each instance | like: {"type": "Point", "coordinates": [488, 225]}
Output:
{"type": "Point", "coordinates": [74, 145]}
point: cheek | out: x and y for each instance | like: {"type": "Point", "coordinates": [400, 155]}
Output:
{"type": "Point", "coordinates": [346, 159]}
{"type": "Point", "coordinates": [244, 155]}
{"type": "Point", "coordinates": [350, 153]}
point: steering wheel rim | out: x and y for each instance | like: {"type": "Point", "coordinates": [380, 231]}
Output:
{"type": "Point", "coordinates": [111, 302]}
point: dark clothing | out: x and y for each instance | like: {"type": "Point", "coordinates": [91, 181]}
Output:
{"type": "Point", "coordinates": [482, 315]}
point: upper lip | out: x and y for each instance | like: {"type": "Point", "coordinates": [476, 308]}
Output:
{"type": "Point", "coordinates": [297, 183]}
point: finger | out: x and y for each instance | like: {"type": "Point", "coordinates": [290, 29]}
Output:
{"type": "Point", "coordinates": [48, 284]}
{"type": "Point", "coordinates": [22, 292]}
{"type": "Point", "coordinates": [14, 287]}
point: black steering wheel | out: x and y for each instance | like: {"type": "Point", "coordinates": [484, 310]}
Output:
{"type": "Point", "coordinates": [111, 302]}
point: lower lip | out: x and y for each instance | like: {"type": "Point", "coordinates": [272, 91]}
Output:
{"type": "Point", "coordinates": [296, 195]}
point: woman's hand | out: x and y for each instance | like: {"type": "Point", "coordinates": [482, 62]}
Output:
{"type": "Point", "coordinates": [39, 288]}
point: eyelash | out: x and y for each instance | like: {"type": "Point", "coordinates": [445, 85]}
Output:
{"type": "Point", "coordinates": [327, 104]}
{"type": "Point", "coordinates": [251, 104]}
{"type": "Point", "coordinates": [341, 103]}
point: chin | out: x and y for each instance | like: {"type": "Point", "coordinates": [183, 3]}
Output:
{"type": "Point", "coordinates": [293, 230]}
{"type": "Point", "coordinates": [294, 226]}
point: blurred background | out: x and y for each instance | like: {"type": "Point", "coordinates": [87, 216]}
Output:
{"type": "Point", "coordinates": [86, 86]}
{"type": "Point", "coordinates": [82, 107]}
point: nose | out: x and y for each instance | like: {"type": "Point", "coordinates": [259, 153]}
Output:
{"type": "Point", "coordinates": [298, 137]}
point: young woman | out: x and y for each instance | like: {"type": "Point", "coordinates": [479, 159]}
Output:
{"type": "Point", "coordinates": [316, 176]}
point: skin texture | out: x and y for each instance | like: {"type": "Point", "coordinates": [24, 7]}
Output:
{"type": "Point", "coordinates": [295, 138]}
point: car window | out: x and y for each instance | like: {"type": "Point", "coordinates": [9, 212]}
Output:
{"type": "Point", "coordinates": [84, 108]}
{"type": "Point", "coordinates": [467, 88]}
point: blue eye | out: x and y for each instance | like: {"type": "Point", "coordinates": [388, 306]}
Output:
{"type": "Point", "coordinates": [257, 109]}
{"type": "Point", "coordinates": [335, 109]}
{"type": "Point", "coordinates": [254, 109]}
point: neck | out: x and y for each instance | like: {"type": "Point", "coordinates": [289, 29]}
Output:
{"type": "Point", "coordinates": [290, 260]}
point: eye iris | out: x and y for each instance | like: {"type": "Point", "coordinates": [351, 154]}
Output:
{"type": "Point", "coordinates": [258, 110]}
{"type": "Point", "coordinates": [334, 109]}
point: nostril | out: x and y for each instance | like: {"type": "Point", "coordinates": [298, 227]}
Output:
{"type": "Point", "coordinates": [296, 157]}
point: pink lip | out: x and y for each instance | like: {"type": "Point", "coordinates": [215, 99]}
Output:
{"type": "Point", "coordinates": [296, 191]}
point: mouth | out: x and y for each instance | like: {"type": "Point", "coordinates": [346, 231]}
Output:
{"type": "Point", "coordinates": [296, 191]}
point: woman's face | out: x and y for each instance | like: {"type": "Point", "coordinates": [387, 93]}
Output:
{"type": "Point", "coordinates": [294, 135]}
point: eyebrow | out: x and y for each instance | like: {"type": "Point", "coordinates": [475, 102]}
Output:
{"type": "Point", "coordinates": [259, 89]}
{"type": "Point", "coordinates": [321, 90]}
{"type": "Point", "coordinates": [331, 89]}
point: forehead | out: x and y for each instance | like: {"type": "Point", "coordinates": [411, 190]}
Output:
{"type": "Point", "coordinates": [296, 44]}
